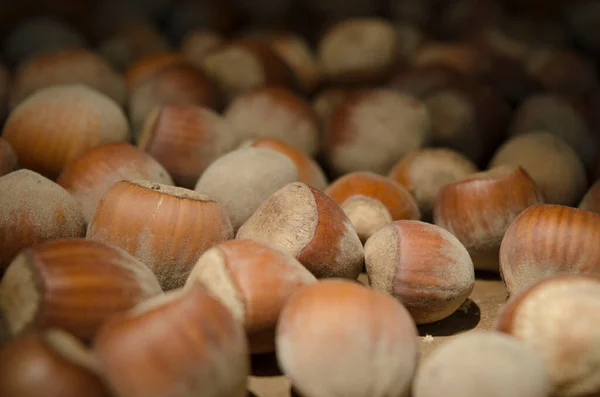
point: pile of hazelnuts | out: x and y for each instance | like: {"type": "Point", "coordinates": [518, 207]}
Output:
{"type": "Point", "coordinates": [188, 184]}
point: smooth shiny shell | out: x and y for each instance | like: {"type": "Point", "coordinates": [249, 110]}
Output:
{"type": "Point", "coordinates": [591, 200]}
{"type": "Point", "coordinates": [358, 50]}
{"type": "Point", "coordinates": [72, 284]}
{"type": "Point", "coordinates": [303, 222]}
{"type": "Point", "coordinates": [423, 266]}
{"type": "Point", "coordinates": [367, 337]}
{"type": "Point", "coordinates": [309, 171]}
{"type": "Point", "coordinates": [424, 172]}
{"type": "Point", "coordinates": [201, 353]}
{"type": "Point", "coordinates": [244, 178]}
{"type": "Point", "coordinates": [34, 209]}
{"type": "Point", "coordinates": [51, 364]}
{"type": "Point", "coordinates": [479, 209]}
{"type": "Point", "coordinates": [272, 112]}
{"type": "Point", "coordinates": [546, 240]}
{"type": "Point", "coordinates": [90, 175]}
{"type": "Point", "coordinates": [76, 66]}
{"type": "Point", "coordinates": [57, 124]}
{"type": "Point", "coordinates": [177, 84]}
{"type": "Point", "coordinates": [186, 139]}
{"type": "Point", "coordinates": [374, 128]}
{"type": "Point", "coordinates": [8, 158]}
{"type": "Point", "coordinates": [559, 318]}
{"type": "Point", "coordinates": [254, 280]}
{"type": "Point", "coordinates": [551, 163]}
{"type": "Point", "coordinates": [479, 364]}
{"type": "Point", "coordinates": [370, 201]}
{"type": "Point", "coordinates": [165, 227]}
{"type": "Point", "coordinates": [242, 65]}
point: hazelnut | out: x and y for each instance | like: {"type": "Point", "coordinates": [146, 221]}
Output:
{"type": "Point", "coordinates": [34, 209]}
{"type": "Point", "coordinates": [147, 66]}
{"type": "Point", "coordinates": [556, 115]}
{"type": "Point", "coordinates": [131, 42]}
{"type": "Point", "coordinates": [50, 364]}
{"type": "Point", "coordinates": [77, 66]}
{"type": "Point", "coordinates": [358, 50]}
{"type": "Point", "coordinates": [326, 101]}
{"type": "Point", "coordinates": [311, 337]}
{"type": "Point", "coordinates": [40, 34]}
{"type": "Point", "coordinates": [8, 158]}
{"type": "Point", "coordinates": [242, 179]}
{"type": "Point", "coordinates": [591, 200]}
{"type": "Point", "coordinates": [297, 54]}
{"type": "Point", "coordinates": [272, 112]}
{"type": "Point", "coordinates": [423, 81]}
{"type": "Point", "coordinates": [374, 128]}
{"type": "Point", "coordinates": [423, 266]}
{"type": "Point", "coordinates": [197, 44]}
{"type": "Point", "coordinates": [57, 124]}
{"type": "Point", "coordinates": [185, 344]}
{"type": "Point", "coordinates": [242, 65]}
{"type": "Point", "coordinates": [424, 172]}
{"type": "Point", "coordinates": [558, 317]}
{"type": "Point", "coordinates": [90, 175]}
{"type": "Point", "coordinates": [545, 240]}
{"type": "Point", "coordinates": [371, 201]}
{"type": "Point", "coordinates": [165, 227]}
{"type": "Point", "coordinates": [254, 281]}
{"type": "Point", "coordinates": [410, 38]}
{"type": "Point", "coordinates": [309, 171]}
{"type": "Point", "coordinates": [561, 71]}
{"type": "Point", "coordinates": [482, 363]}
{"type": "Point", "coordinates": [479, 209]}
{"type": "Point", "coordinates": [551, 163]}
{"type": "Point", "coordinates": [72, 284]}
{"type": "Point", "coordinates": [303, 222]}
{"type": "Point", "coordinates": [176, 84]}
{"type": "Point", "coordinates": [186, 139]}
{"type": "Point", "coordinates": [459, 56]}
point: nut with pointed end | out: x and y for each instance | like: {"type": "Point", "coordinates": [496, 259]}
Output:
{"type": "Point", "coordinates": [370, 201]}
{"type": "Point", "coordinates": [303, 222]}
{"type": "Point", "coordinates": [8, 158]}
{"type": "Point", "coordinates": [479, 209]}
{"type": "Point", "coordinates": [242, 65]}
{"type": "Point", "coordinates": [56, 124]}
{"type": "Point", "coordinates": [368, 337]}
{"type": "Point", "coordinates": [241, 180]}
{"type": "Point", "coordinates": [424, 172]}
{"type": "Point", "coordinates": [67, 67]}
{"type": "Point", "coordinates": [34, 209]}
{"type": "Point", "coordinates": [49, 364]}
{"type": "Point", "coordinates": [591, 200]}
{"type": "Point", "coordinates": [358, 50]}
{"type": "Point", "coordinates": [423, 266]}
{"type": "Point", "coordinates": [551, 163]}
{"type": "Point", "coordinates": [184, 344]}
{"type": "Point", "coordinates": [186, 139]}
{"type": "Point", "coordinates": [165, 227]}
{"type": "Point", "coordinates": [175, 84]}
{"type": "Point", "coordinates": [254, 281]}
{"type": "Point", "coordinates": [546, 240]}
{"type": "Point", "coordinates": [482, 364]}
{"type": "Point", "coordinates": [558, 116]}
{"type": "Point", "coordinates": [89, 176]}
{"type": "Point", "coordinates": [271, 112]}
{"type": "Point", "coordinates": [372, 129]}
{"type": "Point", "coordinates": [309, 171]}
{"type": "Point", "coordinates": [559, 318]}
{"type": "Point", "coordinates": [72, 284]}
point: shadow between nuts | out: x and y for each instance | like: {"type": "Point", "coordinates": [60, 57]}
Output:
{"type": "Point", "coordinates": [464, 319]}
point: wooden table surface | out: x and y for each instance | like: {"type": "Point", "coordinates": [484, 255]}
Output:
{"type": "Point", "coordinates": [478, 313]}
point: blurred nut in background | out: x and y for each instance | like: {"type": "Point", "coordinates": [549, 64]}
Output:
{"type": "Point", "coordinates": [8, 158]}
